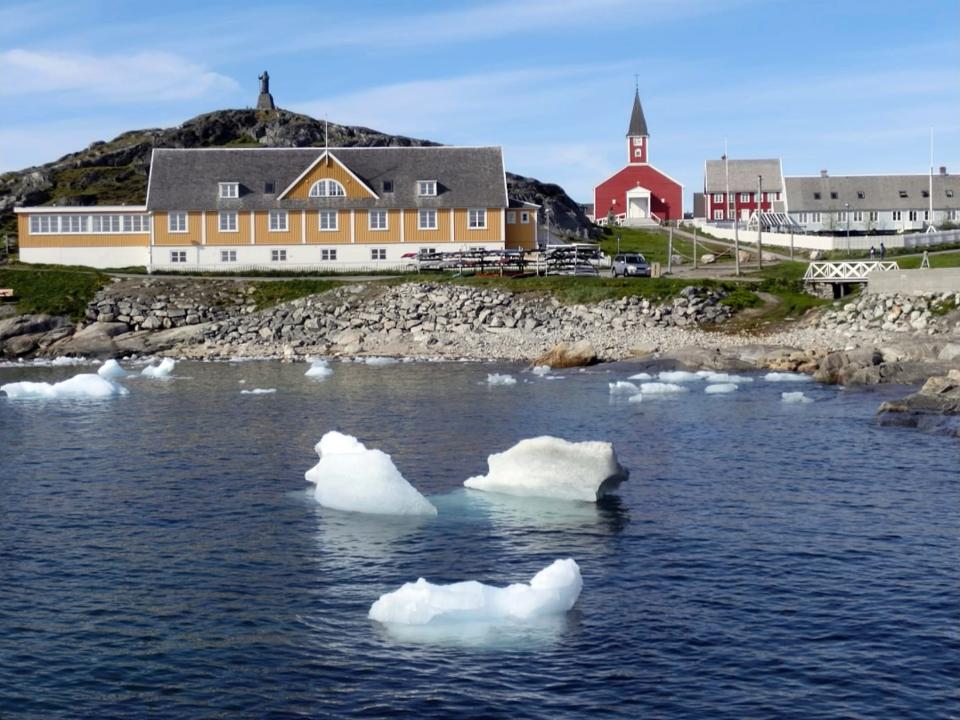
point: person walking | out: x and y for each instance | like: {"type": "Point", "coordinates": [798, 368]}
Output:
{"type": "Point", "coordinates": [873, 252]}
{"type": "Point", "coordinates": [883, 251]}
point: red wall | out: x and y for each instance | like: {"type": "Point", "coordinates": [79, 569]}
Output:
{"type": "Point", "coordinates": [750, 205]}
{"type": "Point", "coordinates": [670, 207]}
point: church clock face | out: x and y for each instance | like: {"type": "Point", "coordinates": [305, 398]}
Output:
{"type": "Point", "coordinates": [638, 141]}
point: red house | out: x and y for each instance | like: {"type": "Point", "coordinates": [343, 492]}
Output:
{"type": "Point", "coordinates": [639, 194]}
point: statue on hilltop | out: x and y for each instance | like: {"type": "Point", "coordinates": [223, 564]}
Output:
{"type": "Point", "coordinates": [265, 99]}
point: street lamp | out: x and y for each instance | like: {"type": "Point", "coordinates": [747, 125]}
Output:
{"type": "Point", "coordinates": [847, 213]}
{"type": "Point", "coordinates": [618, 242]}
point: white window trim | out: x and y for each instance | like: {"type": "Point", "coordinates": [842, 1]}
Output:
{"type": "Point", "coordinates": [477, 227]}
{"type": "Point", "coordinates": [336, 221]}
{"type": "Point", "coordinates": [745, 197]}
{"type": "Point", "coordinates": [525, 218]}
{"type": "Point", "coordinates": [436, 220]}
{"type": "Point", "coordinates": [331, 254]}
{"type": "Point", "coordinates": [278, 255]}
{"type": "Point", "coordinates": [236, 221]}
{"type": "Point", "coordinates": [386, 221]}
{"type": "Point", "coordinates": [511, 217]}
{"type": "Point", "coordinates": [178, 256]}
{"type": "Point", "coordinates": [431, 185]}
{"type": "Point", "coordinates": [56, 223]}
{"type": "Point", "coordinates": [718, 197]}
{"type": "Point", "coordinates": [228, 256]}
{"type": "Point", "coordinates": [278, 213]}
{"type": "Point", "coordinates": [226, 188]}
{"type": "Point", "coordinates": [378, 254]}
{"type": "Point", "coordinates": [186, 223]}
{"type": "Point", "coordinates": [336, 183]}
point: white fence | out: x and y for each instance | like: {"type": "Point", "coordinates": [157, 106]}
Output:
{"type": "Point", "coordinates": [837, 242]}
{"type": "Point", "coordinates": [331, 268]}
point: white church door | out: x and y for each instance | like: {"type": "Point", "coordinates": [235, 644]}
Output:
{"type": "Point", "coordinates": [638, 203]}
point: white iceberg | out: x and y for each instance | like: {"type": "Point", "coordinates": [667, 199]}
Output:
{"type": "Point", "coordinates": [795, 397]}
{"type": "Point", "coordinates": [787, 377]}
{"type": "Point", "coordinates": [259, 391]}
{"type": "Point", "coordinates": [552, 591]}
{"type": "Point", "coordinates": [498, 379]}
{"type": "Point", "coordinates": [161, 371]}
{"type": "Point", "coordinates": [319, 369]}
{"type": "Point", "coordinates": [678, 376]}
{"type": "Point", "coordinates": [641, 376]}
{"type": "Point", "coordinates": [541, 370]}
{"type": "Point", "coordinates": [375, 360]}
{"type": "Point", "coordinates": [720, 388]}
{"type": "Point", "coordinates": [635, 398]}
{"type": "Point", "coordinates": [65, 361]}
{"type": "Point", "coordinates": [352, 478]}
{"type": "Point", "coordinates": [655, 388]}
{"type": "Point", "coordinates": [111, 369]}
{"type": "Point", "coordinates": [552, 467]}
{"type": "Point", "coordinates": [83, 386]}
{"type": "Point", "coordinates": [718, 377]}
{"type": "Point", "coordinates": [622, 387]}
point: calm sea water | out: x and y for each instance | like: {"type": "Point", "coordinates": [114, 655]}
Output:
{"type": "Point", "coordinates": [159, 556]}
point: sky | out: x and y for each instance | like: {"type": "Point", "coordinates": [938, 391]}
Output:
{"type": "Point", "coordinates": [852, 86]}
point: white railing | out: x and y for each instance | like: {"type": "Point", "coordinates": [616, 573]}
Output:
{"type": "Point", "coordinates": [855, 271]}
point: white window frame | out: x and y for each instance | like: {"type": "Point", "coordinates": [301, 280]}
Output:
{"type": "Point", "coordinates": [430, 215]}
{"type": "Point", "coordinates": [912, 215]}
{"type": "Point", "coordinates": [327, 214]}
{"type": "Point", "coordinates": [638, 152]}
{"type": "Point", "coordinates": [718, 197]}
{"type": "Point", "coordinates": [228, 256]}
{"type": "Point", "coordinates": [897, 215]}
{"type": "Point", "coordinates": [525, 217]}
{"type": "Point", "coordinates": [174, 225]}
{"type": "Point", "coordinates": [873, 216]}
{"type": "Point", "coordinates": [801, 217]}
{"type": "Point", "coordinates": [224, 218]}
{"type": "Point", "coordinates": [858, 215]}
{"type": "Point", "coordinates": [178, 256]}
{"type": "Point", "coordinates": [718, 214]}
{"type": "Point", "coordinates": [952, 214]}
{"type": "Point", "coordinates": [328, 254]}
{"type": "Point", "coordinates": [273, 221]}
{"type": "Point", "coordinates": [746, 197]}
{"type": "Point", "coordinates": [511, 217]}
{"type": "Point", "coordinates": [327, 187]}
{"type": "Point", "coordinates": [426, 188]}
{"type": "Point", "coordinates": [815, 217]}
{"type": "Point", "coordinates": [926, 216]}
{"type": "Point", "coordinates": [380, 215]}
{"type": "Point", "coordinates": [378, 253]}
{"type": "Point", "coordinates": [228, 190]}
{"type": "Point", "coordinates": [843, 216]}
{"type": "Point", "coordinates": [474, 216]}
{"type": "Point", "coordinates": [278, 255]}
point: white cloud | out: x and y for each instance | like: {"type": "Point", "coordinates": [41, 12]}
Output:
{"type": "Point", "coordinates": [144, 76]}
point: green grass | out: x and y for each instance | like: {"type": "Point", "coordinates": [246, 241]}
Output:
{"type": "Point", "coordinates": [653, 244]}
{"type": "Point", "coordinates": [56, 292]}
{"type": "Point", "coordinates": [740, 298]}
{"type": "Point", "coordinates": [943, 260]}
{"type": "Point", "coordinates": [267, 294]}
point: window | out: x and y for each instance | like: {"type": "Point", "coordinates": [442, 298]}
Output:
{"type": "Point", "coordinates": [378, 253]}
{"type": "Point", "coordinates": [388, 185]}
{"type": "Point", "coordinates": [815, 217]}
{"type": "Point", "coordinates": [511, 217]}
{"type": "Point", "coordinates": [177, 222]}
{"type": "Point", "coordinates": [801, 217]}
{"type": "Point", "coordinates": [136, 223]}
{"type": "Point", "coordinates": [745, 197]}
{"type": "Point", "coordinates": [925, 193]}
{"type": "Point", "coordinates": [912, 215]}
{"type": "Point", "coordinates": [178, 256]}
{"type": "Point", "coordinates": [228, 256]}
{"type": "Point", "coordinates": [278, 221]}
{"type": "Point", "coordinates": [229, 189]}
{"type": "Point", "coordinates": [949, 192]}
{"type": "Point", "coordinates": [73, 223]}
{"type": "Point", "coordinates": [873, 216]}
{"type": "Point", "coordinates": [861, 194]}
{"type": "Point", "coordinates": [638, 141]}
{"type": "Point", "coordinates": [897, 215]}
{"type": "Point", "coordinates": [952, 214]}
{"type": "Point", "coordinates": [816, 196]}
{"type": "Point", "coordinates": [843, 216]}
{"type": "Point", "coordinates": [777, 195]}
{"type": "Point", "coordinates": [858, 216]}
{"type": "Point", "coordinates": [269, 188]}
{"type": "Point", "coordinates": [718, 197]}
{"type": "Point", "coordinates": [903, 193]}
{"type": "Point", "coordinates": [228, 221]}
{"type": "Point", "coordinates": [834, 196]}
{"type": "Point", "coordinates": [377, 220]}
{"type": "Point", "coordinates": [431, 251]}
{"type": "Point", "coordinates": [926, 215]}
{"type": "Point", "coordinates": [426, 187]}
{"type": "Point", "coordinates": [525, 217]}
{"type": "Point", "coordinates": [328, 254]}
{"type": "Point", "coordinates": [278, 255]}
{"type": "Point", "coordinates": [718, 214]}
{"type": "Point", "coordinates": [638, 152]}
{"type": "Point", "coordinates": [105, 223]}
{"type": "Point", "coordinates": [327, 188]}
{"type": "Point", "coordinates": [428, 220]}
{"type": "Point", "coordinates": [477, 219]}
{"type": "Point", "coordinates": [328, 219]}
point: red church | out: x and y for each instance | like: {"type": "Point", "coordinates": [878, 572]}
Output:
{"type": "Point", "coordinates": [639, 194]}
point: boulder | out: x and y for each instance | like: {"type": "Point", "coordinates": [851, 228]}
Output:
{"type": "Point", "coordinates": [950, 352]}
{"type": "Point", "coordinates": [29, 325]}
{"type": "Point", "coordinates": [564, 355]}
{"type": "Point", "coordinates": [95, 340]}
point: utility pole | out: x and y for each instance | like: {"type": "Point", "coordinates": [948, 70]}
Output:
{"type": "Point", "coordinates": [694, 248]}
{"type": "Point", "coordinates": [759, 224]}
{"type": "Point", "coordinates": [670, 252]}
{"type": "Point", "coordinates": [846, 211]}
{"type": "Point", "coordinates": [730, 204]}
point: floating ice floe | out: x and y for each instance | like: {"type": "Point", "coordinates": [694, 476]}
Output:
{"type": "Point", "coordinates": [258, 391]}
{"type": "Point", "coordinates": [352, 478]}
{"type": "Point", "coordinates": [795, 397]}
{"type": "Point", "coordinates": [622, 387]}
{"type": "Point", "coordinates": [65, 361]}
{"type": "Point", "coordinates": [84, 386]}
{"type": "Point", "coordinates": [787, 377]}
{"type": "Point", "coordinates": [161, 371]}
{"type": "Point", "coordinates": [541, 370]}
{"type": "Point", "coordinates": [656, 388]}
{"type": "Point", "coordinates": [319, 369]}
{"type": "Point", "coordinates": [641, 376]}
{"type": "Point", "coordinates": [635, 398]}
{"type": "Point", "coordinates": [678, 376]}
{"type": "Point", "coordinates": [718, 377]}
{"type": "Point", "coordinates": [375, 360]}
{"type": "Point", "coordinates": [720, 388]}
{"type": "Point", "coordinates": [111, 369]}
{"type": "Point", "coordinates": [498, 379]}
{"type": "Point", "coordinates": [547, 466]}
{"type": "Point", "coordinates": [552, 591]}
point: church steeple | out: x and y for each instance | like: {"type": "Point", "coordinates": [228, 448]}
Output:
{"type": "Point", "coordinates": [637, 134]}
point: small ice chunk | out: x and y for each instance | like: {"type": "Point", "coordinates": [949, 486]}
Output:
{"type": "Point", "coordinates": [374, 360]}
{"type": "Point", "coordinates": [678, 376]}
{"type": "Point", "coordinates": [258, 391]}
{"type": "Point", "coordinates": [541, 370]}
{"type": "Point", "coordinates": [352, 478]}
{"type": "Point", "coordinates": [319, 369]}
{"type": "Point", "coordinates": [498, 379]}
{"type": "Point", "coordinates": [161, 371]}
{"type": "Point", "coordinates": [720, 388]}
{"type": "Point", "coordinates": [64, 361]}
{"type": "Point", "coordinates": [786, 377]}
{"type": "Point", "coordinates": [552, 591]}
{"type": "Point", "coordinates": [656, 388]}
{"type": "Point", "coordinates": [111, 369]}
{"type": "Point", "coordinates": [718, 377]}
{"type": "Point", "coordinates": [635, 398]}
{"type": "Point", "coordinates": [795, 397]}
{"type": "Point", "coordinates": [82, 386]}
{"type": "Point", "coordinates": [622, 387]}
{"type": "Point", "coordinates": [547, 466]}
{"type": "Point", "coordinates": [641, 376]}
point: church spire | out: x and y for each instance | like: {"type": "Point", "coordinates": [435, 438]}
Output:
{"type": "Point", "coordinates": [638, 123]}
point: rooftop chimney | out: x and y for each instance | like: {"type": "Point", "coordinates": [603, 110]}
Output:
{"type": "Point", "coordinates": [943, 169]}
{"type": "Point", "coordinates": [823, 173]}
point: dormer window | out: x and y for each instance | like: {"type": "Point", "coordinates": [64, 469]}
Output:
{"type": "Point", "coordinates": [861, 194]}
{"type": "Point", "coordinates": [426, 188]}
{"type": "Point", "coordinates": [816, 196]}
{"type": "Point", "coordinates": [925, 193]}
{"type": "Point", "coordinates": [327, 188]}
{"type": "Point", "coordinates": [903, 193]}
{"type": "Point", "coordinates": [269, 188]}
{"type": "Point", "coordinates": [833, 196]}
{"type": "Point", "coordinates": [388, 186]}
{"type": "Point", "coordinates": [949, 192]}
{"type": "Point", "coordinates": [229, 190]}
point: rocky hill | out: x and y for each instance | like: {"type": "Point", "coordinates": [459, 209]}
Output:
{"type": "Point", "coordinates": [115, 172]}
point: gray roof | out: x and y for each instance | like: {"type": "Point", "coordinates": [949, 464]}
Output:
{"type": "Point", "coordinates": [743, 175]}
{"type": "Point", "coordinates": [186, 179]}
{"type": "Point", "coordinates": [880, 192]}
{"type": "Point", "coordinates": [638, 123]}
